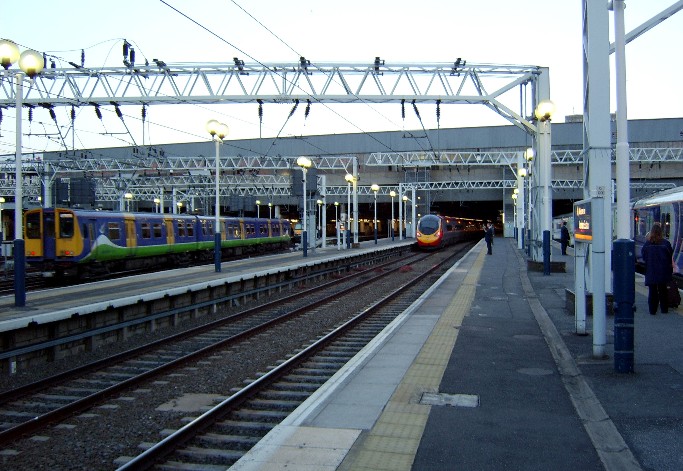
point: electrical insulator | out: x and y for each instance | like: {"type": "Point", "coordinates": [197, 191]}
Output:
{"type": "Point", "coordinates": [144, 113]}
{"type": "Point", "coordinates": [30, 115]}
{"type": "Point", "coordinates": [73, 114]}
{"type": "Point", "coordinates": [98, 112]}
{"type": "Point", "coordinates": [82, 57]}
{"type": "Point", "coordinates": [403, 109]}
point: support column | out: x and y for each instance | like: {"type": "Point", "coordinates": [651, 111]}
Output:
{"type": "Point", "coordinates": [597, 151]}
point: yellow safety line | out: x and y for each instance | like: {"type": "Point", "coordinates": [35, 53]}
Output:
{"type": "Point", "coordinates": [393, 441]}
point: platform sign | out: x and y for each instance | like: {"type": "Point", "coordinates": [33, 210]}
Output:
{"type": "Point", "coordinates": [582, 221]}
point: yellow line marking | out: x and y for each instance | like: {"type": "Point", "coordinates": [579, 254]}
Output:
{"type": "Point", "coordinates": [393, 441]}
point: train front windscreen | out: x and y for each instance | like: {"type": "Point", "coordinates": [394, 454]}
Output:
{"type": "Point", "coordinates": [429, 225]}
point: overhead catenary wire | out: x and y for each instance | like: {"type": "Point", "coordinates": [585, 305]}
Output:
{"type": "Point", "coordinates": [263, 65]}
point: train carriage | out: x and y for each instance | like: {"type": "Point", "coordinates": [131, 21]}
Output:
{"type": "Point", "coordinates": [67, 242]}
{"type": "Point", "coordinates": [665, 208]}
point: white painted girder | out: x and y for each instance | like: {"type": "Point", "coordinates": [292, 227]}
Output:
{"type": "Point", "coordinates": [138, 173]}
{"type": "Point", "coordinates": [179, 83]}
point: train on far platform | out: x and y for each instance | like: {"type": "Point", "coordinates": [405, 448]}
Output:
{"type": "Point", "coordinates": [72, 243]}
{"type": "Point", "coordinates": [665, 207]}
{"type": "Point", "coordinates": [435, 231]}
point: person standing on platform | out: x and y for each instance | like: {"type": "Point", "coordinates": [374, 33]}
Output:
{"type": "Point", "coordinates": [564, 237]}
{"type": "Point", "coordinates": [488, 237]}
{"type": "Point", "coordinates": [657, 255]}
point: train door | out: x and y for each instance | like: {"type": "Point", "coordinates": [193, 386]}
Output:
{"type": "Point", "coordinates": [35, 234]}
{"type": "Point", "coordinates": [92, 235]}
{"type": "Point", "coordinates": [170, 235]}
{"type": "Point", "coordinates": [667, 222]}
{"type": "Point", "coordinates": [131, 239]}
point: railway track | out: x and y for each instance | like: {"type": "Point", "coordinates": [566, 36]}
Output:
{"type": "Point", "coordinates": [222, 435]}
{"type": "Point", "coordinates": [26, 410]}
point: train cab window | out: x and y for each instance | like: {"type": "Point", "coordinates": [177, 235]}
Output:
{"type": "Point", "coordinates": [66, 225]}
{"type": "Point", "coordinates": [114, 231]}
{"type": "Point", "coordinates": [33, 226]}
{"type": "Point", "coordinates": [146, 230]}
{"type": "Point", "coordinates": [157, 230]}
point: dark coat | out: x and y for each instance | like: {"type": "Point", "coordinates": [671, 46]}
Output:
{"type": "Point", "coordinates": [564, 235]}
{"type": "Point", "coordinates": [658, 262]}
{"type": "Point", "coordinates": [488, 234]}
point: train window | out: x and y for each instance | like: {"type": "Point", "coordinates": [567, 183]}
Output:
{"type": "Point", "coordinates": [33, 226]}
{"type": "Point", "coordinates": [666, 225]}
{"type": "Point", "coordinates": [66, 225]}
{"type": "Point", "coordinates": [190, 230]}
{"type": "Point", "coordinates": [181, 228]}
{"type": "Point", "coordinates": [114, 231]}
{"type": "Point", "coordinates": [263, 230]}
{"type": "Point", "coordinates": [146, 230]}
{"type": "Point", "coordinates": [205, 228]}
{"type": "Point", "coordinates": [157, 230]}
{"type": "Point", "coordinates": [49, 226]}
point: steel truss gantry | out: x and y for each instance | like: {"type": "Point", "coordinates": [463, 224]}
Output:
{"type": "Point", "coordinates": [239, 82]}
{"type": "Point", "coordinates": [146, 176]}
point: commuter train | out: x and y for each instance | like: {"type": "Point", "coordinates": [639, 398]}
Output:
{"type": "Point", "coordinates": [78, 243]}
{"type": "Point", "coordinates": [435, 232]}
{"type": "Point", "coordinates": [666, 208]}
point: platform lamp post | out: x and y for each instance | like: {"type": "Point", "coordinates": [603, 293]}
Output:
{"type": "Point", "coordinates": [218, 132]}
{"type": "Point", "coordinates": [515, 195]}
{"type": "Point", "coordinates": [320, 218]}
{"type": "Point", "coordinates": [157, 201]}
{"type": "Point", "coordinates": [405, 213]}
{"type": "Point", "coordinates": [349, 180]}
{"type": "Point", "coordinates": [375, 188]}
{"type": "Point", "coordinates": [31, 64]}
{"type": "Point", "coordinates": [392, 193]}
{"type": "Point", "coordinates": [544, 112]}
{"type": "Point", "coordinates": [258, 209]}
{"type": "Point", "coordinates": [179, 204]}
{"type": "Point", "coordinates": [305, 163]}
{"type": "Point", "coordinates": [270, 210]}
{"type": "Point", "coordinates": [128, 197]}
{"type": "Point", "coordinates": [336, 224]}
{"type": "Point", "coordinates": [2, 227]}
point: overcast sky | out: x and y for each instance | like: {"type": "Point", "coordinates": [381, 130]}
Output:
{"type": "Point", "coordinates": [526, 32]}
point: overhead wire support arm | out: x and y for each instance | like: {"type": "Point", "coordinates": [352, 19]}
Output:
{"type": "Point", "coordinates": [163, 83]}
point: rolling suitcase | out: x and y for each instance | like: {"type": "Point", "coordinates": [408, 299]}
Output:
{"type": "Point", "coordinates": [674, 294]}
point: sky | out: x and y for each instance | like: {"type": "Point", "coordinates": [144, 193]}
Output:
{"type": "Point", "coordinates": [544, 33]}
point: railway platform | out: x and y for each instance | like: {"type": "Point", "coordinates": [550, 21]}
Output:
{"type": "Point", "coordinates": [485, 371]}
{"type": "Point", "coordinates": [84, 299]}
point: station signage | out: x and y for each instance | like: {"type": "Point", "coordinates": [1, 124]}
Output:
{"type": "Point", "coordinates": [582, 221]}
